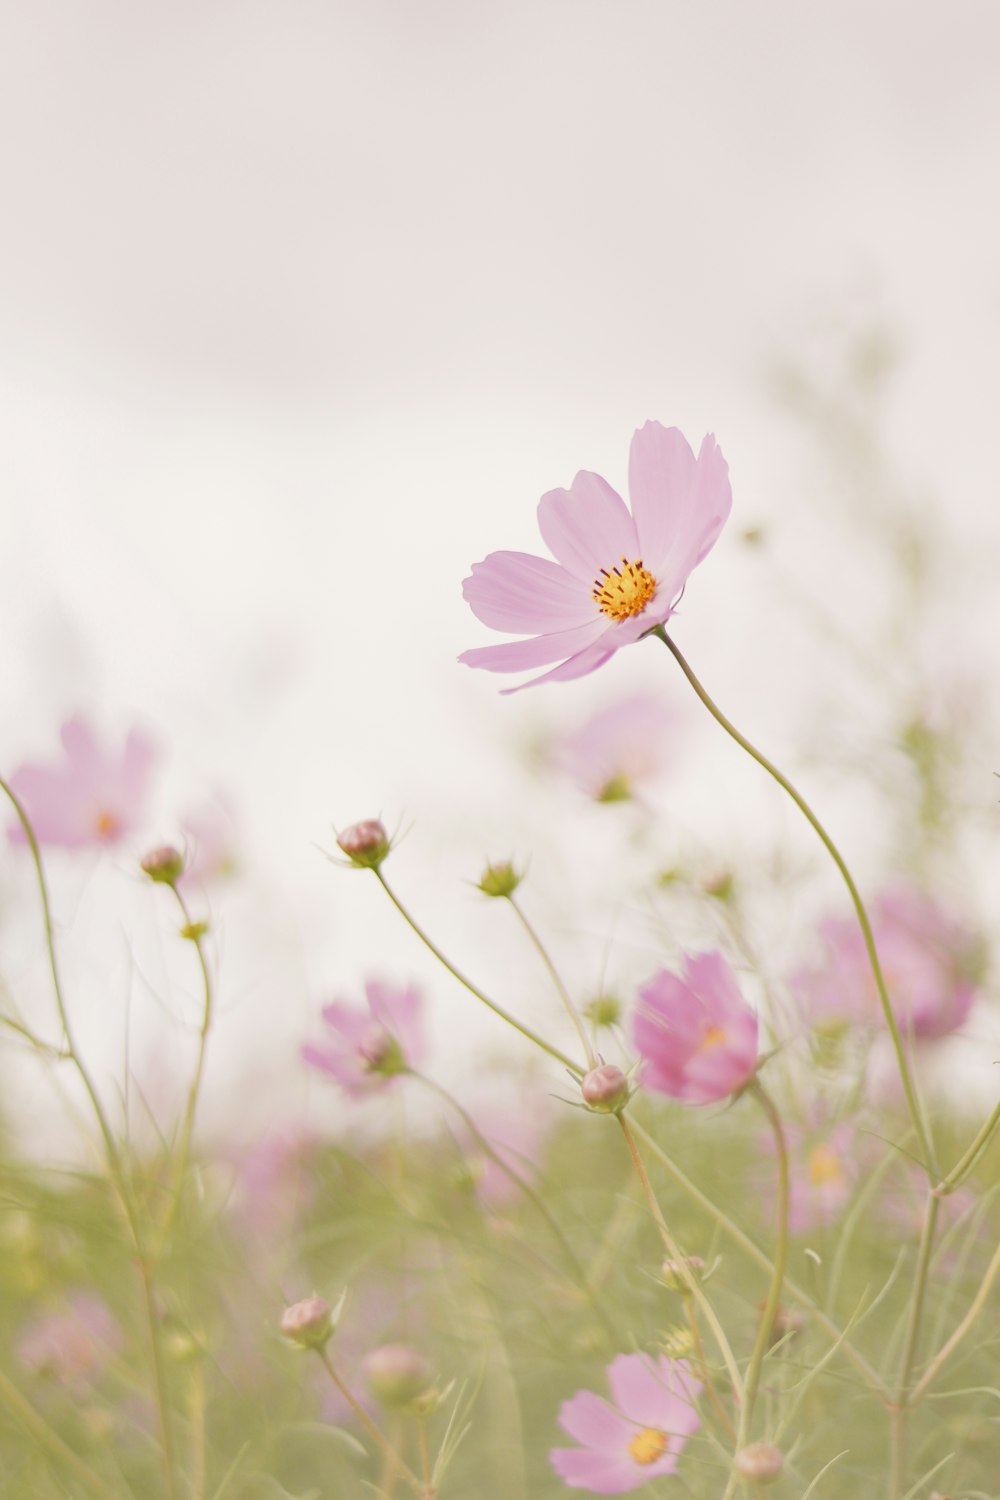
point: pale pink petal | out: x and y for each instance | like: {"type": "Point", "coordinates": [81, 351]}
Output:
{"type": "Point", "coordinates": [81, 745]}
{"type": "Point", "coordinates": [518, 656]}
{"type": "Point", "coordinates": [587, 527]}
{"type": "Point", "coordinates": [587, 660]}
{"type": "Point", "coordinates": [601, 1473]}
{"type": "Point", "coordinates": [661, 474]}
{"type": "Point", "coordinates": [701, 518]}
{"type": "Point", "coordinates": [400, 1011]}
{"type": "Point", "coordinates": [589, 1419]}
{"type": "Point", "coordinates": [526, 595]}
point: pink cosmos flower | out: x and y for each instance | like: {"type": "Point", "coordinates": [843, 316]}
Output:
{"type": "Point", "coordinates": [637, 1438]}
{"type": "Point", "coordinates": [616, 573]}
{"type": "Point", "coordinates": [823, 1172]}
{"type": "Point", "coordinates": [96, 796]}
{"type": "Point", "coordinates": [928, 959]}
{"type": "Point", "coordinates": [371, 1047]}
{"type": "Point", "coordinates": [74, 1346]}
{"type": "Point", "coordinates": [697, 1034]}
{"type": "Point", "coordinates": [517, 1133]}
{"type": "Point", "coordinates": [618, 748]}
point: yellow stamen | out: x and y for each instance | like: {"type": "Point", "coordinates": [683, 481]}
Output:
{"type": "Point", "coordinates": [714, 1037]}
{"type": "Point", "coordinates": [625, 591]}
{"type": "Point", "coordinates": [106, 824]}
{"type": "Point", "coordinates": [648, 1445]}
{"type": "Point", "coordinates": [824, 1166]}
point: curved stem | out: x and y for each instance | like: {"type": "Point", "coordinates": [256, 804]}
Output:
{"type": "Point", "coordinates": [390, 1452]}
{"type": "Point", "coordinates": [676, 1254]}
{"type": "Point", "coordinates": [916, 1113]}
{"type": "Point", "coordinates": [964, 1166]}
{"type": "Point", "coordinates": [975, 1308]}
{"type": "Point", "coordinates": [473, 990]}
{"type": "Point", "coordinates": [737, 1235]}
{"type": "Point", "coordinates": [563, 992]}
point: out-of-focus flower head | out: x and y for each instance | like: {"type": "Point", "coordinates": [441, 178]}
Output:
{"type": "Point", "coordinates": [616, 573]}
{"type": "Point", "coordinates": [930, 962]}
{"type": "Point", "coordinates": [696, 1033]}
{"type": "Point", "coordinates": [823, 1172]}
{"type": "Point", "coordinates": [209, 842]}
{"type": "Point", "coordinates": [516, 1133]}
{"type": "Point", "coordinates": [93, 796]}
{"type": "Point", "coordinates": [635, 1437]}
{"type": "Point", "coordinates": [275, 1185]}
{"type": "Point", "coordinates": [617, 749]}
{"type": "Point", "coordinates": [370, 1048]}
{"type": "Point", "coordinates": [74, 1345]}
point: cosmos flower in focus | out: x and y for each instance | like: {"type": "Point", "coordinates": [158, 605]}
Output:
{"type": "Point", "coordinates": [929, 960]}
{"type": "Point", "coordinates": [635, 1437]}
{"type": "Point", "coordinates": [370, 1047]}
{"type": "Point", "coordinates": [696, 1034]}
{"type": "Point", "coordinates": [618, 748]}
{"type": "Point", "coordinates": [93, 796]}
{"type": "Point", "coordinates": [616, 573]}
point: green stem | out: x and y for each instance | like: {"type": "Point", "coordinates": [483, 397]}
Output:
{"type": "Point", "coordinates": [391, 1453]}
{"type": "Point", "coordinates": [563, 992]}
{"type": "Point", "coordinates": [964, 1166]}
{"type": "Point", "coordinates": [975, 1308]}
{"type": "Point", "coordinates": [916, 1113]}
{"type": "Point", "coordinates": [755, 1253]}
{"type": "Point", "coordinates": [47, 1438]}
{"type": "Point", "coordinates": [763, 1339]}
{"type": "Point", "coordinates": [676, 1254]}
{"type": "Point", "coordinates": [467, 983]}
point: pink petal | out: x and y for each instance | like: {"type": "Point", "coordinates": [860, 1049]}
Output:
{"type": "Point", "coordinates": [704, 512]}
{"type": "Point", "coordinates": [579, 665]}
{"type": "Point", "coordinates": [656, 1393]}
{"type": "Point", "coordinates": [601, 1473]}
{"type": "Point", "coordinates": [590, 1420]}
{"type": "Point", "coordinates": [587, 527]}
{"type": "Point", "coordinates": [661, 474]}
{"type": "Point", "coordinates": [518, 656]}
{"type": "Point", "coordinates": [526, 595]}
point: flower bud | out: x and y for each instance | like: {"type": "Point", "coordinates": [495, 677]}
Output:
{"type": "Point", "coordinates": [677, 1342]}
{"type": "Point", "coordinates": [500, 879]}
{"type": "Point", "coordinates": [398, 1376]}
{"type": "Point", "coordinates": [366, 844]}
{"type": "Point", "coordinates": [672, 1272]}
{"type": "Point", "coordinates": [760, 1461]}
{"type": "Point", "coordinates": [308, 1323]}
{"type": "Point", "coordinates": [605, 1089]}
{"type": "Point", "coordinates": [604, 1010]}
{"type": "Point", "coordinates": [165, 865]}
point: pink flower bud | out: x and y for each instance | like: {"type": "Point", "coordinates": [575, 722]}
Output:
{"type": "Point", "coordinates": [761, 1461]}
{"type": "Point", "coordinates": [605, 1089]}
{"type": "Point", "coordinates": [366, 844]}
{"type": "Point", "coordinates": [164, 865]}
{"type": "Point", "coordinates": [308, 1323]}
{"type": "Point", "coordinates": [398, 1375]}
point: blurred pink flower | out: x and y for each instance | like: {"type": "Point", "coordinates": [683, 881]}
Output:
{"type": "Point", "coordinates": [823, 1174]}
{"type": "Point", "coordinates": [616, 574]}
{"type": "Point", "coordinates": [370, 1048]}
{"type": "Point", "coordinates": [209, 842]}
{"type": "Point", "coordinates": [930, 963]}
{"type": "Point", "coordinates": [517, 1134]}
{"type": "Point", "coordinates": [275, 1185]}
{"type": "Point", "coordinates": [618, 748]}
{"type": "Point", "coordinates": [95, 796]}
{"type": "Point", "coordinates": [696, 1034]}
{"type": "Point", "coordinates": [636, 1439]}
{"type": "Point", "coordinates": [74, 1346]}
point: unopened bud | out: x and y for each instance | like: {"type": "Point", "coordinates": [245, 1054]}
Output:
{"type": "Point", "coordinates": [366, 844]}
{"type": "Point", "coordinates": [500, 879]}
{"type": "Point", "coordinates": [308, 1323]}
{"type": "Point", "coordinates": [673, 1273]}
{"type": "Point", "coordinates": [605, 1089]}
{"type": "Point", "coordinates": [678, 1342]}
{"type": "Point", "coordinates": [164, 865]}
{"type": "Point", "coordinates": [761, 1461]}
{"type": "Point", "coordinates": [604, 1010]}
{"type": "Point", "coordinates": [398, 1376]}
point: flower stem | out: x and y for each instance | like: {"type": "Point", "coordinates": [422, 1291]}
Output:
{"type": "Point", "coordinates": [763, 1339]}
{"type": "Point", "coordinates": [964, 1166]}
{"type": "Point", "coordinates": [564, 994]}
{"type": "Point", "coordinates": [47, 1438]}
{"type": "Point", "coordinates": [473, 990]}
{"type": "Point", "coordinates": [916, 1113]}
{"type": "Point", "coordinates": [391, 1453]}
{"type": "Point", "coordinates": [947, 1349]}
{"type": "Point", "coordinates": [676, 1254]}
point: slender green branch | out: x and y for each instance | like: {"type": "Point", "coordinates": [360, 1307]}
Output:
{"type": "Point", "coordinates": [392, 1454]}
{"type": "Point", "coordinates": [946, 1350]}
{"type": "Point", "coordinates": [473, 990]}
{"type": "Point", "coordinates": [913, 1103]}
{"type": "Point", "coordinates": [964, 1166]}
{"type": "Point", "coordinates": [563, 992]}
{"type": "Point", "coordinates": [47, 1438]}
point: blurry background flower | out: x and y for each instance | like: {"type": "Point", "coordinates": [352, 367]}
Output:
{"type": "Point", "coordinates": [369, 1049]}
{"type": "Point", "coordinates": [74, 1344]}
{"type": "Point", "coordinates": [620, 748]}
{"type": "Point", "coordinates": [696, 1034]}
{"type": "Point", "coordinates": [92, 796]}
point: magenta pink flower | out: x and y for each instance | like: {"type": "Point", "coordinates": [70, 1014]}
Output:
{"type": "Point", "coordinates": [697, 1034]}
{"type": "Point", "coordinates": [616, 573]}
{"type": "Point", "coordinates": [637, 1438]}
{"type": "Point", "coordinates": [618, 748]}
{"type": "Point", "coordinates": [95, 796]}
{"type": "Point", "coordinates": [75, 1345]}
{"type": "Point", "coordinates": [371, 1047]}
{"type": "Point", "coordinates": [929, 962]}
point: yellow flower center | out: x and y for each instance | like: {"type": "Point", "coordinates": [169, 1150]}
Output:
{"type": "Point", "coordinates": [824, 1166]}
{"type": "Point", "coordinates": [648, 1445]}
{"type": "Point", "coordinates": [106, 824]}
{"type": "Point", "coordinates": [625, 591]}
{"type": "Point", "coordinates": [714, 1037]}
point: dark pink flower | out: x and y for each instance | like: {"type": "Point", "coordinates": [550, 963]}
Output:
{"type": "Point", "coordinates": [617, 573]}
{"type": "Point", "coordinates": [929, 962]}
{"type": "Point", "coordinates": [639, 1436]}
{"type": "Point", "coordinates": [618, 748]}
{"type": "Point", "coordinates": [75, 1345]}
{"type": "Point", "coordinates": [94, 796]}
{"type": "Point", "coordinates": [371, 1047]}
{"type": "Point", "coordinates": [697, 1034]}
